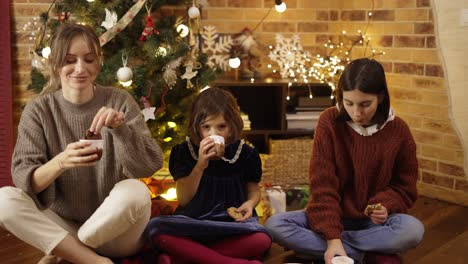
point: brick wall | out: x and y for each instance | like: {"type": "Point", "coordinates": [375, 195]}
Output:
{"type": "Point", "coordinates": [404, 29]}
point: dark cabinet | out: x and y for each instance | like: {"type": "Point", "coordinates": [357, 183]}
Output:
{"type": "Point", "coordinates": [266, 104]}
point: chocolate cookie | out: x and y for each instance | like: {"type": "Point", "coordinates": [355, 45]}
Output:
{"type": "Point", "coordinates": [92, 136]}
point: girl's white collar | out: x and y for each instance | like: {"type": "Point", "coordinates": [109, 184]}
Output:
{"type": "Point", "coordinates": [370, 130]}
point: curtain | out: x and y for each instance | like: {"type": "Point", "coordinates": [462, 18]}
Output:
{"type": "Point", "coordinates": [6, 95]}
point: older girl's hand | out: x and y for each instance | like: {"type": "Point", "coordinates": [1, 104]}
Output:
{"type": "Point", "coordinates": [379, 216]}
{"type": "Point", "coordinates": [334, 248]}
{"type": "Point", "coordinates": [77, 154]}
{"type": "Point", "coordinates": [106, 117]}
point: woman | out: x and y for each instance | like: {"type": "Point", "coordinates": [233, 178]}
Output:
{"type": "Point", "coordinates": [68, 201]}
{"type": "Point", "coordinates": [363, 175]}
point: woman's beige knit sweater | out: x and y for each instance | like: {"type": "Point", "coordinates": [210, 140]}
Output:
{"type": "Point", "coordinates": [49, 123]}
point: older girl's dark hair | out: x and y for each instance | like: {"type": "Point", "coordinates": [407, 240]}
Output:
{"type": "Point", "coordinates": [59, 45]}
{"type": "Point", "coordinates": [214, 102]}
{"type": "Point", "coordinates": [368, 76]}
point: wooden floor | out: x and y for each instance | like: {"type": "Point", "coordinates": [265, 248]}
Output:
{"type": "Point", "coordinates": [445, 239]}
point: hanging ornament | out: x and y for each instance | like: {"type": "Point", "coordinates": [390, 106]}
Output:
{"type": "Point", "coordinates": [125, 74]}
{"type": "Point", "coordinates": [122, 23]}
{"type": "Point", "coordinates": [149, 28]}
{"type": "Point", "coordinates": [148, 110]}
{"type": "Point", "coordinates": [148, 113]}
{"type": "Point", "coordinates": [111, 19]}
{"type": "Point", "coordinates": [189, 73]}
{"type": "Point", "coordinates": [63, 16]}
{"type": "Point", "coordinates": [194, 12]}
{"type": "Point", "coordinates": [170, 75]}
{"type": "Point", "coordinates": [183, 30]}
{"type": "Point", "coordinates": [37, 61]}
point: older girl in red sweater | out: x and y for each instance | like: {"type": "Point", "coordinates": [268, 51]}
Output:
{"type": "Point", "coordinates": [363, 175]}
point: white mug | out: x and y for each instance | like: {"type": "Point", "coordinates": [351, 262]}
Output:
{"type": "Point", "coordinates": [342, 260]}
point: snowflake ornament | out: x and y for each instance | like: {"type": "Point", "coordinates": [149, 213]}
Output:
{"type": "Point", "coordinates": [216, 47]}
{"type": "Point", "coordinates": [289, 55]}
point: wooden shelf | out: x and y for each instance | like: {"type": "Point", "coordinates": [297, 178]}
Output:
{"type": "Point", "coordinates": [266, 105]}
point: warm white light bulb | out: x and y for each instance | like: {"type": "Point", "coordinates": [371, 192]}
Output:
{"type": "Point", "coordinates": [161, 51]}
{"type": "Point", "coordinates": [170, 195]}
{"type": "Point", "coordinates": [183, 30]}
{"type": "Point", "coordinates": [171, 124]}
{"type": "Point", "coordinates": [280, 8]}
{"type": "Point", "coordinates": [90, 1]}
{"type": "Point", "coordinates": [46, 52]}
{"type": "Point", "coordinates": [234, 62]}
{"type": "Point", "coordinates": [126, 84]}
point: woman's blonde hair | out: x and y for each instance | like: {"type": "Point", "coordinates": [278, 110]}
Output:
{"type": "Point", "coordinates": [59, 45]}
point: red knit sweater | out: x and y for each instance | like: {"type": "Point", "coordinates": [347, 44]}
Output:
{"type": "Point", "coordinates": [349, 171]}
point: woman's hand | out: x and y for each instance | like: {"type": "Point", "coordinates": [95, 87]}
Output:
{"type": "Point", "coordinates": [106, 117]}
{"type": "Point", "coordinates": [334, 248]}
{"type": "Point", "coordinates": [379, 216]}
{"type": "Point", "coordinates": [206, 152]}
{"type": "Point", "coordinates": [246, 209]}
{"type": "Point", "coordinates": [77, 154]}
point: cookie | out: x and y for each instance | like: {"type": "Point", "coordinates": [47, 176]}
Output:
{"type": "Point", "coordinates": [371, 207]}
{"type": "Point", "coordinates": [232, 213]}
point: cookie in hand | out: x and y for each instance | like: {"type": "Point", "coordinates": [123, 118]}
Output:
{"type": "Point", "coordinates": [371, 207]}
{"type": "Point", "coordinates": [232, 213]}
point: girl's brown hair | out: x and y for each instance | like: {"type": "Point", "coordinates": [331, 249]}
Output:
{"type": "Point", "coordinates": [368, 76]}
{"type": "Point", "coordinates": [59, 45]}
{"type": "Point", "coordinates": [214, 102]}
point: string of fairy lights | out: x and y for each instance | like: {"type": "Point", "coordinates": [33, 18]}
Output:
{"type": "Point", "coordinates": [298, 66]}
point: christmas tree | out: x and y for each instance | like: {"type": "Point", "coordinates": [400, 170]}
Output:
{"type": "Point", "coordinates": [150, 48]}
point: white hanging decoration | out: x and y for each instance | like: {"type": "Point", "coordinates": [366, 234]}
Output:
{"type": "Point", "coordinates": [216, 47]}
{"type": "Point", "coordinates": [189, 73]}
{"type": "Point", "coordinates": [148, 113]}
{"type": "Point", "coordinates": [37, 61]}
{"type": "Point", "coordinates": [193, 12]}
{"type": "Point", "coordinates": [170, 75]}
{"type": "Point", "coordinates": [148, 110]}
{"type": "Point", "coordinates": [288, 54]}
{"type": "Point", "coordinates": [111, 19]}
{"type": "Point", "coordinates": [125, 74]}
{"type": "Point", "coordinates": [183, 30]}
